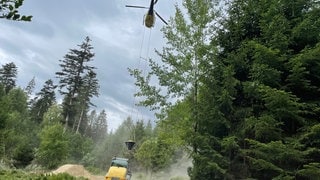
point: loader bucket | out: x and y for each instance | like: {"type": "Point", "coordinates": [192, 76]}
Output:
{"type": "Point", "coordinates": [130, 144]}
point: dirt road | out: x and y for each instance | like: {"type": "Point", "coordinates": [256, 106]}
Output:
{"type": "Point", "coordinates": [76, 171]}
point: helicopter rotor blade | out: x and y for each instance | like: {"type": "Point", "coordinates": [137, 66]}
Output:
{"type": "Point", "coordinates": [137, 7]}
{"type": "Point", "coordinates": [161, 18]}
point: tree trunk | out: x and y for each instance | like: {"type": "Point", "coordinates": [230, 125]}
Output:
{"type": "Point", "coordinates": [67, 117]}
{"type": "Point", "coordinates": [66, 124]}
{"type": "Point", "coordinates": [80, 119]}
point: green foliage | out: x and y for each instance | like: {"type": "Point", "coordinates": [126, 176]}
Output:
{"type": "Point", "coordinates": [139, 132]}
{"type": "Point", "coordinates": [154, 154]}
{"type": "Point", "coordinates": [54, 146]}
{"type": "Point", "coordinates": [207, 161]}
{"type": "Point", "coordinates": [23, 153]}
{"type": "Point", "coordinates": [312, 138]}
{"type": "Point", "coordinates": [53, 115]}
{"type": "Point", "coordinates": [9, 10]}
{"type": "Point", "coordinates": [98, 127]}
{"type": "Point", "coordinates": [310, 171]}
{"type": "Point", "coordinates": [3, 111]}
{"type": "Point", "coordinates": [229, 146]}
{"type": "Point", "coordinates": [78, 146]}
{"type": "Point", "coordinates": [30, 87]}
{"type": "Point", "coordinates": [8, 75]}
{"type": "Point", "coordinates": [268, 160]}
{"type": "Point", "coordinates": [176, 128]}
{"type": "Point", "coordinates": [89, 88]}
{"type": "Point", "coordinates": [18, 139]}
{"type": "Point", "coordinates": [3, 121]}
{"type": "Point", "coordinates": [247, 80]}
{"type": "Point", "coordinates": [284, 107]}
{"type": "Point", "coordinates": [17, 102]}
{"type": "Point", "coordinates": [306, 32]}
{"type": "Point", "coordinates": [14, 174]}
{"type": "Point", "coordinates": [43, 101]}
{"type": "Point", "coordinates": [303, 77]}
{"type": "Point", "coordinates": [65, 176]}
{"type": "Point", "coordinates": [264, 128]}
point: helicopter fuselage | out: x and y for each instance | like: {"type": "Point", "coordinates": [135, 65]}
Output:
{"type": "Point", "coordinates": [149, 20]}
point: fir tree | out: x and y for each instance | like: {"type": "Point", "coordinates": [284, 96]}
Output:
{"type": "Point", "coordinates": [43, 101]}
{"type": "Point", "coordinates": [8, 76]}
{"type": "Point", "coordinates": [71, 78]}
{"type": "Point", "coordinates": [90, 88]}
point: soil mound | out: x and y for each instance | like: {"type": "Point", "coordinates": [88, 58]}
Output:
{"type": "Point", "coordinates": [76, 171]}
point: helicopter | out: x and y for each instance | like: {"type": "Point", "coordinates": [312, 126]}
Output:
{"type": "Point", "coordinates": [149, 18]}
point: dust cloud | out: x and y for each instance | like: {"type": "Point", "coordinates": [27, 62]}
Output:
{"type": "Point", "coordinates": [177, 171]}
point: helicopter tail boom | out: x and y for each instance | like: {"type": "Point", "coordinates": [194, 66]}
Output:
{"type": "Point", "coordinates": [142, 7]}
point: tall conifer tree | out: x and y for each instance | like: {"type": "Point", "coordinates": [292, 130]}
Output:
{"type": "Point", "coordinates": [71, 78]}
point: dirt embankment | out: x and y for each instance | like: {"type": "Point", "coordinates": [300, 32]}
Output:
{"type": "Point", "coordinates": [76, 171]}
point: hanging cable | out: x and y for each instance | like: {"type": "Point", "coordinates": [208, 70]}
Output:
{"type": "Point", "coordinates": [146, 60]}
{"type": "Point", "coordinates": [142, 66]}
{"type": "Point", "coordinates": [138, 67]}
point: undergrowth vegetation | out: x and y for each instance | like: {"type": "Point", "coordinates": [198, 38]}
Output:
{"type": "Point", "coordinates": [22, 175]}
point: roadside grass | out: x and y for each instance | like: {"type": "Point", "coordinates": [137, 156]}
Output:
{"type": "Point", "coordinates": [22, 175]}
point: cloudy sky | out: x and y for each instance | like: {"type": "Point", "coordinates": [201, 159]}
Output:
{"type": "Point", "coordinates": [118, 37]}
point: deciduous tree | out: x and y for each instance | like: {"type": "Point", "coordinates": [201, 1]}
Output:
{"type": "Point", "coordinates": [53, 149]}
{"type": "Point", "coordinates": [9, 10]}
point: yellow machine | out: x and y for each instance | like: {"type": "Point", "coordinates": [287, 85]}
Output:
{"type": "Point", "coordinates": [119, 167]}
{"type": "Point", "coordinates": [117, 173]}
{"type": "Point", "coordinates": [119, 170]}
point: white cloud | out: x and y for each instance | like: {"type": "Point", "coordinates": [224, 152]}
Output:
{"type": "Point", "coordinates": [4, 58]}
{"type": "Point", "coordinates": [118, 35]}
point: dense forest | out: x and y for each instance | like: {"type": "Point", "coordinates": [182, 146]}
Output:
{"type": "Point", "coordinates": [245, 77]}
{"type": "Point", "coordinates": [237, 87]}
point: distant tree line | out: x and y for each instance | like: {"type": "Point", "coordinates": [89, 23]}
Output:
{"type": "Point", "coordinates": [36, 127]}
